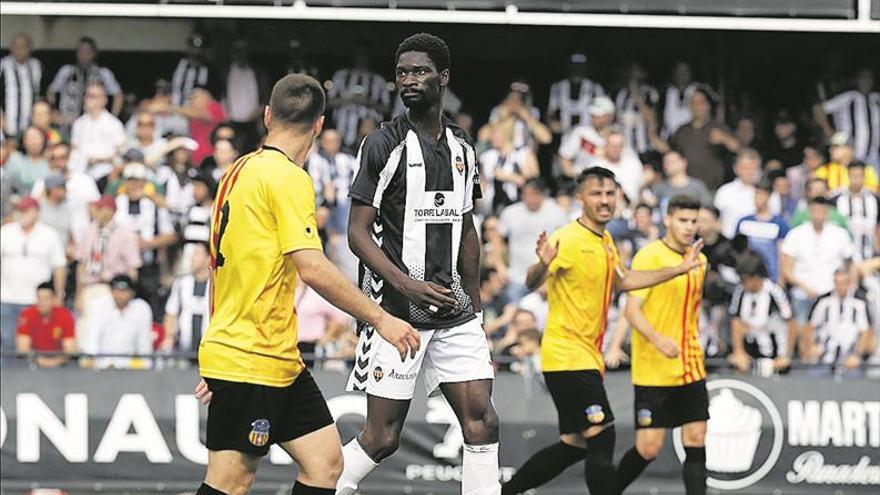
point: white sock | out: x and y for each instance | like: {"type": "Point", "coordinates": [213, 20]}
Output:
{"type": "Point", "coordinates": [357, 465]}
{"type": "Point", "coordinates": [479, 470]}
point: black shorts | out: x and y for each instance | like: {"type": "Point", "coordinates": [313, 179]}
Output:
{"type": "Point", "coordinates": [669, 407]}
{"type": "Point", "coordinates": [249, 418]}
{"type": "Point", "coordinates": [580, 399]}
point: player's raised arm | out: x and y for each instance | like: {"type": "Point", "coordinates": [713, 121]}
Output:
{"type": "Point", "coordinates": [546, 252]}
{"type": "Point", "coordinates": [639, 279]}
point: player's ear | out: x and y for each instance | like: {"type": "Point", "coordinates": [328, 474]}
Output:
{"type": "Point", "coordinates": [444, 78]}
{"type": "Point", "coordinates": [267, 116]}
{"type": "Point", "coordinates": [319, 125]}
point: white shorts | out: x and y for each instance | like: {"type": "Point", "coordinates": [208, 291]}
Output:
{"type": "Point", "coordinates": [457, 354]}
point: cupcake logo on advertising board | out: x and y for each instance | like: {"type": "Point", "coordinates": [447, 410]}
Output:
{"type": "Point", "coordinates": [744, 436]}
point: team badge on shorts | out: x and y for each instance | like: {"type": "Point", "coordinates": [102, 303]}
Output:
{"type": "Point", "coordinates": [259, 435]}
{"type": "Point", "coordinates": [643, 416]}
{"type": "Point", "coordinates": [378, 374]}
{"type": "Point", "coordinates": [595, 414]}
{"type": "Point", "coordinates": [459, 165]}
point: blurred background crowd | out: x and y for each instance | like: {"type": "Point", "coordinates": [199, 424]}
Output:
{"type": "Point", "coordinates": [106, 197]}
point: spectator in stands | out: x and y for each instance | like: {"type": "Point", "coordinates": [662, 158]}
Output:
{"type": "Point", "coordinates": [704, 143]}
{"type": "Point", "coordinates": [584, 146]}
{"type": "Point", "coordinates": [167, 122]}
{"type": "Point", "coordinates": [319, 320]}
{"type": "Point", "coordinates": [764, 230]}
{"type": "Point", "coordinates": [357, 93]}
{"type": "Point", "coordinates": [298, 61]}
{"type": "Point", "coordinates": [146, 141]}
{"type": "Point", "coordinates": [246, 88]}
{"type": "Point", "coordinates": [536, 303]}
{"type": "Point", "coordinates": [676, 99]}
{"type": "Point", "coordinates": [784, 149]}
{"type": "Point", "coordinates": [332, 171]}
{"type": "Point", "coordinates": [521, 223]}
{"type": "Point", "coordinates": [782, 200]}
{"type": "Point", "coordinates": [817, 188]}
{"type": "Point", "coordinates": [677, 181]}
{"type": "Point", "coordinates": [522, 321]}
{"type": "Point", "coordinates": [494, 247]}
{"type": "Point", "coordinates": [187, 309]}
{"type": "Point", "coordinates": [173, 178]}
{"type": "Point", "coordinates": [622, 159]}
{"type": "Point", "coordinates": [746, 134]}
{"type": "Point", "coordinates": [192, 70]}
{"type": "Point", "coordinates": [225, 153]}
{"type": "Point", "coordinates": [29, 165]}
{"type": "Point", "coordinates": [46, 327]}
{"type": "Point", "coordinates": [811, 253]}
{"type": "Point", "coordinates": [69, 89]}
{"type": "Point", "coordinates": [505, 168]}
{"type": "Point", "coordinates": [80, 190]}
{"type": "Point", "coordinates": [762, 324]}
{"type": "Point", "coordinates": [55, 210]}
{"type": "Point", "coordinates": [636, 104]}
{"type": "Point", "coordinates": [151, 222]}
{"type": "Point", "coordinates": [204, 114]}
{"type": "Point", "coordinates": [518, 109]}
{"type": "Point", "coordinates": [839, 332]}
{"type": "Point", "coordinates": [570, 98]}
{"type": "Point", "coordinates": [97, 137]}
{"type": "Point", "coordinates": [20, 77]}
{"type": "Point", "coordinates": [862, 211]}
{"type": "Point", "coordinates": [120, 324]}
{"type": "Point", "coordinates": [835, 172]}
{"type": "Point", "coordinates": [41, 118]}
{"type": "Point", "coordinates": [721, 276]}
{"type": "Point", "coordinates": [852, 111]}
{"type": "Point", "coordinates": [30, 254]}
{"type": "Point", "coordinates": [7, 196]}
{"type": "Point", "coordinates": [736, 199]}
{"type": "Point", "coordinates": [528, 352]}
{"type": "Point", "coordinates": [195, 225]}
{"type": "Point", "coordinates": [813, 158]}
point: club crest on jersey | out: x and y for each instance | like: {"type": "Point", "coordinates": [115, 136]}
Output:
{"type": "Point", "coordinates": [643, 417]}
{"type": "Point", "coordinates": [378, 374]}
{"type": "Point", "coordinates": [459, 165]}
{"type": "Point", "coordinates": [259, 435]}
{"type": "Point", "coordinates": [595, 414]}
{"type": "Point", "coordinates": [439, 199]}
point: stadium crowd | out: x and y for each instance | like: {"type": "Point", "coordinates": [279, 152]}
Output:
{"type": "Point", "coordinates": [106, 205]}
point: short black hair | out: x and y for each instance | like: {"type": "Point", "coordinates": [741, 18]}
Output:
{"type": "Point", "coordinates": [713, 210]}
{"type": "Point", "coordinates": [597, 172]}
{"type": "Point", "coordinates": [682, 202]}
{"type": "Point", "coordinates": [88, 40]}
{"type": "Point", "coordinates": [436, 48]}
{"type": "Point", "coordinates": [855, 164]}
{"type": "Point", "coordinates": [644, 206]}
{"type": "Point", "coordinates": [750, 266]}
{"type": "Point", "coordinates": [765, 184]}
{"type": "Point", "coordinates": [47, 285]}
{"type": "Point", "coordinates": [536, 183]}
{"type": "Point", "coordinates": [297, 100]}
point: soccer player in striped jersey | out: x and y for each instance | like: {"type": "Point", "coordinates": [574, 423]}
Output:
{"type": "Point", "coordinates": [581, 266]}
{"type": "Point", "coordinates": [668, 370]}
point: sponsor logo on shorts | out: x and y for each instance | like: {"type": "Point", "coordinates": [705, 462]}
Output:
{"type": "Point", "coordinates": [378, 374]}
{"type": "Point", "coordinates": [595, 414]}
{"type": "Point", "coordinates": [402, 376]}
{"type": "Point", "coordinates": [643, 416]}
{"type": "Point", "coordinates": [259, 435]}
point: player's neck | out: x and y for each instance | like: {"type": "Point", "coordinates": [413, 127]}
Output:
{"type": "Point", "coordinates": [427, 120]}
{"type": "Point", "coordinates": [594, 227]}
{"type": "Point", "coordinates": [674, 245]}
{"type": "Point", "coordinates": [294, 145]}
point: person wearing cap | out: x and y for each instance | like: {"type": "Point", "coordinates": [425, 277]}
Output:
{"type": "Point", "coordinates": [764, 230]}
{"type": "Point", "coordinates": [172, 178]}
{"type": "Point", "coordinates": [517, 107]}
{"type": "Point", "coordinates": [835, 172]}
{"type": "Point", "coordinates": [97, 137]}
{"type": "Point", "coordinates": [810, 254]}
{"type": "Point", "coordinates": [570, 98]}
{"type": "Point", "coordinates": [69, 87]}
{"type": "Point", "coordinates": [584, 146]}
{"type": "Point", "coordinates": [120, 324]}
{"type": "Point", "coordinates": [30, 253]}
{"type": "Point", "coordinates": [191, 70]}
{"type": "Point", "coordinates": [55, 210]}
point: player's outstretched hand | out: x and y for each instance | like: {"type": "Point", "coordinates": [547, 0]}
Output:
{"type": "Point", "coordinates": [613, 357]}
{"type": "Point", "coordinates": [400, 334]}
{"type": "Point", "coordinates": [430, 296]}
{"type": "Point", "coordinates": [692, 256]}
{"type": "Point", "coordinates": [667, 346]}
{"type": "Point", "coordinates": [546, 252]}
{"type": "Point", "coordinates": [202, 393]}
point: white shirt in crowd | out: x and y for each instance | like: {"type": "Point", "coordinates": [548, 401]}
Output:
{"type": "Point", "coordinates": [582, 145]}
{"type": "Point", "coordinates": [242, 93]}
{"type": "Point", "coordinates": [81, 192]}
{"type": "Point", "coordinates": [492, 162]}
{"type": "Point", "coordinates": [629, 173]}
{"type": "Point", "coordinates": [21, 87]}
{"type": "Point", "coordinates": [817, 255]}
{"type": "Point", "coordinates": [573, 110]}
{"type": "Point", "coordinates": [118, 331]}
{"type": "Point", "coordinates": [95, 138]}
{"type": "Point", "coordinates": [188, 301]}
{"type": "Point", "coordinates": [677, 108]}
{"type": "Point", "coordinates": [858, 115]}
{"type": "Point", "coordinates": [522, 227]}
{"type": "Point", "coordinates": [735, 200]}
{"type": "Point", "coordinates": [522, 136]}
{"type": "Point", "coordinates": [27, 260]}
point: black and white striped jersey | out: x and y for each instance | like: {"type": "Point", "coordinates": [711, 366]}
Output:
{"type": "Point", "coordinates": [632, 123]}
{"type": "Point", "coordinates": [422, 189]}
{"type": "Point", "coordinates": [19, 89]}
{"type": "Point", "coordinates": [351, 83]}
{"type": "Point", "coordinates": [676, 107]}
{"type": "Point", "coordinates": [498, 193]}
{"type": "Point", "coordinates": [756, 309]}
{"type": "Point", "coordinates": [71, 82]}
{"type": "Point", "coordinates": [838, 323]}
{"type": "Point", "coordinates": [858, 115]}
{"type": "Point", "coordinates": [862, 211]}
{"type": "Point", "coordinates": [188, 301]}
{"type": "Point", "coordinates": [570, 101]}
{"type": "Point", "coordinates": [187, 75]}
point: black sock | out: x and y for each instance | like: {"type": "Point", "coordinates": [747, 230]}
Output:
{"type": "Point", "coordinates": [693, 471]}
{"type": "Point", "coordinates": [599, 467]}
{"type": "Point", "coordinates": [542, 467]}
{"type": "Point", "coordinates": [301, 489]}
{"type": "Point", "coordinates": [206, 489]}
{"type": "Point", "coordinates": [631, 466]}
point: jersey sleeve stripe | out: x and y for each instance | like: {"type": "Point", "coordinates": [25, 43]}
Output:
{"type": "Point", "coordinates": [684, 353]}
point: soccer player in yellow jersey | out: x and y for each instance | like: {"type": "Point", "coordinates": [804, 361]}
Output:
{"type": "Point", "coordinates": [668, 371]}
{"type": "Point", "coordinates": [264, 236]}
{"type": "Point", "coordinates": [580, 265]}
